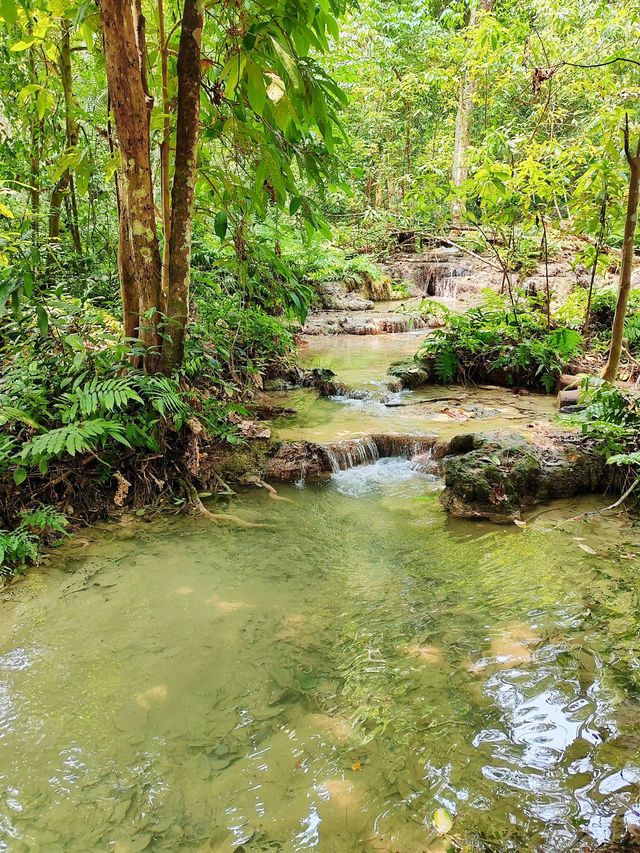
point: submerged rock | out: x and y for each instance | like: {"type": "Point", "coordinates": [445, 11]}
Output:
{"type": "Point", "coordinates": [496, 475]}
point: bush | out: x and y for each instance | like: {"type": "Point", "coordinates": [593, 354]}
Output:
{"type": "Point", "coordinates": [500, 346]}
{"type": "Point", "coordinates": [234, 342]}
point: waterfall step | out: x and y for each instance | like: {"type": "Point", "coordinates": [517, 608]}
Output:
{"type": "Point", "coordinates": [304, 460]}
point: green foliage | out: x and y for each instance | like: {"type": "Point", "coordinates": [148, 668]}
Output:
{"type": "Point", "coordinates": [488, 344]}
{"type": "Point", "coordinates": [17, 547]}
{"type": "Point", "coordinates": [65, 395]}
{"type": "Point", "coordinates": [41, 525]}
{"type": "Point", "coordinates": [611, 418]}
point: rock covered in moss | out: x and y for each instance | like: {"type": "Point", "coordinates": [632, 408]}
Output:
{"type": "Point", "coordinates": [411, 373]}
{"type": "Point", "coordinates": [497, 475]}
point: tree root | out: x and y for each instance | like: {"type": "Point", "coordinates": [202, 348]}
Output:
{"type": "Point", "coordinates": [591, 512]}
{"type": "Point", "coordinates": [272, 492]}
{"type": "Point", "coordinates": [218, 517]}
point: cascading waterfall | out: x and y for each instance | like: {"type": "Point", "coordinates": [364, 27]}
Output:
{"type": "Point", "coordinates": [349, 453]}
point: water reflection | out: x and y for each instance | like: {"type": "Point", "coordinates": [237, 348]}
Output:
{"type": "Point", "coordinates": [325, 683]}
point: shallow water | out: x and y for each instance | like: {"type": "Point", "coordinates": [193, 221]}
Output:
{"type": "Point", "coordinates": [327, 682]}
{"type": "Point", "coordinates": [362, 363]}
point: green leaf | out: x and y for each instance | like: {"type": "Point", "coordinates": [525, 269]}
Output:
{"type": "Point", "coordinates": [9, 11]}
{"type": "Point", "coordinates": [43, 319]}
{"type": "Point", "coordinates": [27, 284]}
{"type": "Point", "coordinates": [221, 224]}
{"type": "Point", "coordinates": [288, 62]}
{"type": "Point", "coordinates": [256, 89]}
{"type": "Point", "coordinates": [44, 103]}
{"type": "Point", "coordinates": [294, 205]}
{"type": "Point", "coordinates": [19, 476]}
{"type": "Point", "coordinates": [23, 44]}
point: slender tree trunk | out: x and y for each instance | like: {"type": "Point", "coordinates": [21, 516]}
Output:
{"type": "Point", "coordinates": [184, 179]}
{"type": "Point", "coordinates": [610, 372]}
{"type": "Point", "coordinates": [71, 125]}
{"type": "Point", "coordinates": [165, 152]}
{"type": "Point", "coordinates": [460, 168]}
{"type": "Point", "coordinates": [139, 253]}
{"type": "Point", "coordinates": [55, 207]}
{"type": "Point", "coordinates": [34, 159]}
{"type": "Point", "coordinates": [63, 185]}
{"type": "Point", "coordinates": [594, 268]}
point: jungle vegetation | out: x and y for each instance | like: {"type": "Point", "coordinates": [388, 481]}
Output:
{"type": "Point", "coordinates": [175, 176]}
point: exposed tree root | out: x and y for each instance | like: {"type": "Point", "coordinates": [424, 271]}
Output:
{"type": "Point", "coordinates": [591, 512]}
{"type": "Point", "coordinates": [217, 517]}
{"type": "Point", "coordinates": [272, 492]}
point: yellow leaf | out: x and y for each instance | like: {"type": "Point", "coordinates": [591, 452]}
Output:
{"type": "Point", "coordinates": [442, 821]}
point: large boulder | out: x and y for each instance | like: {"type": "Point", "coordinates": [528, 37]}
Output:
{"type": "Point", "coordinates": [497, 475]}
{"type": "Point", "coordinates": [335, 296]}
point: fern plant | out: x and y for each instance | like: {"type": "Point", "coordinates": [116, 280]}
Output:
{"type": "Point", "coordinates": [73, 438]}
{"type": "Point", "coordinates": [99, 396]}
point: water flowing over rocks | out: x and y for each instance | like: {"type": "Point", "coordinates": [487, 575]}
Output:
{"type": "Point", "coordinates": [299, 461]}
{"type": "Point", "coordinates": [430, 273]}
{"type": "Point", "coordinates": [497, 475]}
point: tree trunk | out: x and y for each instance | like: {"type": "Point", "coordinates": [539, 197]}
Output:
{"type": "Point", "coordinates": [610, 372]}
{"type": "Point", "coordinates": [71, 125]}
{"type": "Point", "coordinates": [34, 159]}
{"type": "Point", "coordinates": [138, 251]}
{"type": "Point", "coordinates": [71, 140]}
{"type": "Point", "coordinates": [165, 152]}
{"type": "Point", "coordinates": [57, 196]}
{"type": "Point", "coordinates": [184, 178]}
{"type": "Point", "coordinates": [460, 168]}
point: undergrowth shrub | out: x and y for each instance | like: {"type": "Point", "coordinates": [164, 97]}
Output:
{"type": "Point", "coordinates": [603, 306]}
{"type": "Point", "coordinates": [500, 345]}
{"type": "Point", "coordinates": [69, 395]}
{"type": "Point", "coordinates": [611, 417]}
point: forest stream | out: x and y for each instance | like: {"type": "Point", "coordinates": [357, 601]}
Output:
{"type": "Point", "coordinates": [362, 673]}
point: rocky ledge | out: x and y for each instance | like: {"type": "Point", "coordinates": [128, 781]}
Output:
{"type": "Point", "coordinates": [497, 475]}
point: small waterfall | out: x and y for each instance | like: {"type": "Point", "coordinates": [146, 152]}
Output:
{"type": "Point", "coordinates": [404, 446]}
{"type": "Point", "coordinates": [351, 452]}
{"type": "Point", "coordinates": [448, 290]}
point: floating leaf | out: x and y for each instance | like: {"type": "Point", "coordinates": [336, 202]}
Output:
{"type": "Point", "coordinates": [586, 548]}
{"type": "Point", "coordinates": [442, 821]}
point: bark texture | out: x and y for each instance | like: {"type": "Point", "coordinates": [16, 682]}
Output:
{"type": "Point", "coordinates": [139, 254]}
{"type": "Point", "coordinates": [65, 183]}
{"type": "Point", "coordinates": [184, 178]}
{"type": "Point", "coordinates": [165, 151]}
{"type": "Point", "coordinates": [610, 371]}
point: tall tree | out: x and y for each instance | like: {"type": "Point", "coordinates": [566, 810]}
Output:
{"type": "Point", "coordinates": [123, 28]}
{"type": "Point", "coordinates": [184, 179]}
{"type": "Point", "coordinates": [468, 85]}
{"type": "Point", "coordinates": [610, 371]}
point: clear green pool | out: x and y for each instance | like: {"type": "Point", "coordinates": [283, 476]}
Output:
{"type": "Point", "coordinates": [326, 683]}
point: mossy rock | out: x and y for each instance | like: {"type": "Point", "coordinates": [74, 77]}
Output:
{"type": "Point", "coordinates": [411, 373]}
{"type": "Point", "coordinates": [498, 475]}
